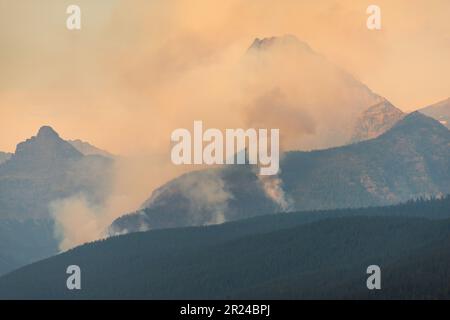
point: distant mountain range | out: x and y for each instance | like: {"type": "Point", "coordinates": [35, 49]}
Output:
{"type": "Point", "coordinates": [410, 160]}
{"type": "Point", "coordinates": [439, 111]}
{"type": "Point", "coordinates": [305, 255]}
{"type": "Point", "coordinates": [43, 169]}
{"type": "Point", "coordinates": [372, 155]}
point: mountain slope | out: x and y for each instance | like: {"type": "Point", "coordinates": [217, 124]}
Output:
{"type": "Point", "coordinates": [201, 198]}
{"type": "Point", "coordinates": [314, 103]}
{"type": "Point", "coordinates": [292, 255]}
{"type": "Point", "coordinates": [376, 120]}
{"type": "Point", "coordinates": [23, 242]}
{"type": "Point", "coordinates": [88, 149]}
{"type": "Point", "coordinates": [44, 168]}
{"type": "Point", "coordinates": [409, 161]}
{"type": "Point", "coordinates": [439, 111]}
{"type": "Point", "coordinates": [4, 156]}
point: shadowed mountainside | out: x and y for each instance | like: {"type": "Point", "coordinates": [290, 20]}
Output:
{"type": "Point", "coordinates": [409, 161]}
{"type": "Point", "coordinates": [4, 156]}
{"type": "Point", "coordinates": [439, 111]}
{"type": "Point", "coordinates": [43, 169]}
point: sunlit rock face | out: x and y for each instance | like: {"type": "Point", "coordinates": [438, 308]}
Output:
{"type": "Point", "coordinates": [376, 120]}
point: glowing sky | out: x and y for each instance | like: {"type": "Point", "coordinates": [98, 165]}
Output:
{"type": "Point", "coordinates": [112, 82]}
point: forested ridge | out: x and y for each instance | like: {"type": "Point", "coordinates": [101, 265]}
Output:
{"type": "Point", "coordinates": [322, 254]}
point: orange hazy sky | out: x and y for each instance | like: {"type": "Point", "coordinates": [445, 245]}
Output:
{"type": "Point", "coordinates": [103, 83]}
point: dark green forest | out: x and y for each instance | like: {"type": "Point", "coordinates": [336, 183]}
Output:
{"type": "Point", "coordinates": [303, 255]}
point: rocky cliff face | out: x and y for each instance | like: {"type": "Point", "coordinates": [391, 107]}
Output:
{"type": "Point", "coordinates": [376, 120]}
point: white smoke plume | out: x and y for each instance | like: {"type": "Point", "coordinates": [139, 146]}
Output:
{"type": "Point", "coordinates": [76, 221]}
{"type": "Point", "coordinates": [79, 220]}
{"type": "Point", "coordinates": [273, 187]}
{"type": "Point", "coordinates": [206, 192]}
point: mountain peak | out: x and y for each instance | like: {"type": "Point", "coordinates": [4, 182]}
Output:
{"type": "Point", "coordinates": [46, 132]}
{"type": "Point", "coordinates": [285, 40]}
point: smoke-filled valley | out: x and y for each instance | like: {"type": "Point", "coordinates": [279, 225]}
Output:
{"type": "Point", "coordinates": [90, 119]}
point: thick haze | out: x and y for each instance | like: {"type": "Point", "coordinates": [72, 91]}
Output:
{"type": "Point", "coordinates": [140, 69]}
{"type": "Point", "coordinates": [137, 66]}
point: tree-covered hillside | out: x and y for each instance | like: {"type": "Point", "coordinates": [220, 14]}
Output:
{"type": "Point", "coordinates": [292, 255]}
{"type": "Point", "coordinates": [23, 242]}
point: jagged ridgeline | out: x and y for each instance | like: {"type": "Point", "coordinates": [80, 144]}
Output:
{"type": "Point", "coordinates": [320, 254]}
{"type": "Point", "coordinates": [409, 161]}
{"type": "Point", "coordinates": [46, 168]}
